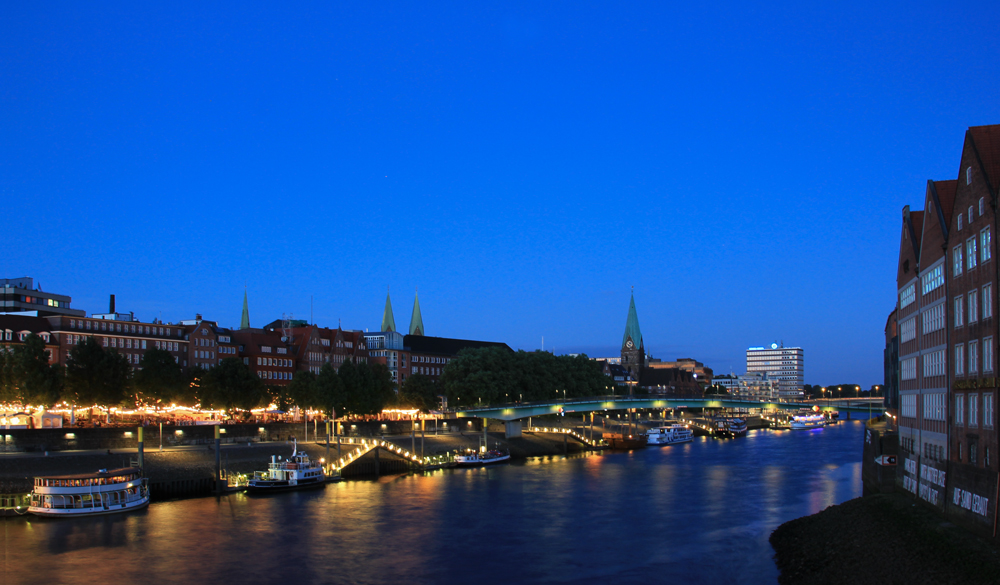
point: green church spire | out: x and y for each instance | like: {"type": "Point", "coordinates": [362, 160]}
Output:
{"type": "Point", "coordinates": [416, 321]}
{"type": "Point", "coordinates": [632, 325]}
{"type": "Point", "coordinates": [388, 323]}
{"type": "Point", "coordinates": [245, 320]}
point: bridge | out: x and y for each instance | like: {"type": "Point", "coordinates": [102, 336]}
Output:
{"type": "Point", "coordinates": [512, 412]}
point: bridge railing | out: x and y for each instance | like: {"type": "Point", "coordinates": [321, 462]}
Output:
{"type": "Point", "coordinates": [751, 403]}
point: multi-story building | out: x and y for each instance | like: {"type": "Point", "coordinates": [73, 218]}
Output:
{"type": "Point", "coordinates": [945, 331]}
{"type": "Point", "coordinates": [890, 382]}
{"type": "Point", "coordinates": [754, 385]}
{"type": "Point", "coordinates": [786, 365]}
{"type": "Point", "coordinates": [699, 373]}
{"type": "Point", "coordinates": [20, 295]}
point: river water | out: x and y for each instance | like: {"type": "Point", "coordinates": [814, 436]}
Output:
{"type": "Point", "coordinates": [695, 513]}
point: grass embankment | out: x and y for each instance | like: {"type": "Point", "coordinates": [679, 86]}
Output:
{"type": "Point", "coordinates": [881, 539]}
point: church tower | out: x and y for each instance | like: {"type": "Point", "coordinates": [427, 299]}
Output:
{"type": "Point", "coordinates": [388, 323]}
{"type": "Point", "coordinates": [633, 349]}
{"type": "Point", "coordinates": [245, 319]}
{"type": "Point", "coordinates": [416, 321]}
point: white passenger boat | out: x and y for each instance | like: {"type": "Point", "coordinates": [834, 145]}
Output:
{"type": "Point", "coordinates": [297, 473]}
{"type": "Point", "coordinates": [730, 427]}
{"type": "Point", "coordinates": [473, 459]}
{"type": "Point", "coordinates": [108, 491]}
{"type": "Point", "coordinates": [669, 435]}
{"type": "Point", "coordinates": [808, 421]}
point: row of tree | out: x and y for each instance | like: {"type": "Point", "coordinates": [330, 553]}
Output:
{"type": "Point", "coordinates": [495, 375]}
{"type": "Point", "coordinates": [95, 375]}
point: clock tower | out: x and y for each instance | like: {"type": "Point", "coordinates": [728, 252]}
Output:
{"type": "Point", "coordinates": [633, 349]}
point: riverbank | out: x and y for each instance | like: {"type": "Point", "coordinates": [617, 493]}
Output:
{"type": "Point", "coordinates": [197, 464]}
{"type": "Point", "coordinates": [878, 539]}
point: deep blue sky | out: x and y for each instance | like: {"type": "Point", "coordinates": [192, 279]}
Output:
{"type": "Point", "coordinates": [743, 167]}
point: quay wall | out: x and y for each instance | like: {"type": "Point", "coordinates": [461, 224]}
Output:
{"type": "Point", "coordinates": [121, 437]}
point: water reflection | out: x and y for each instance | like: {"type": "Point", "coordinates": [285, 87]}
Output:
{"type": "Point", "coordinates": [696, 512]}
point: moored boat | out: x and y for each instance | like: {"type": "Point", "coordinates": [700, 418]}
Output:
{"type": "Point", "coordinates": [808, 421]}
{"type": "Point", "coordinates": [624, 441]}
{"type": "Point", "coordinates": [669, 435]}
{"type": "Point", "coordinates": [729, 427]}
{"type": "Point", "coordinates": [473, 459]}
{"type": "Point", "coordinates": [109, 491]}
{"type": "Point", "coordinates": [296, 473]}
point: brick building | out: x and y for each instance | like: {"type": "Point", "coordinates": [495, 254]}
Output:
{"type": "Point", "coordinates": [945, 331]}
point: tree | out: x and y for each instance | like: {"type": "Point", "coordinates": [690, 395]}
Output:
{"type": "Point", "coordinates": [33, 380]}
{"type": "Point", "coordinates": [330, 396]}
{"type": "Point", "coordinates": [302, 390]}
{"type": "Point", "coordinates": [716, 390]}
{"type": "Point", "coordinates": [383, 388]}
{"type": "Point", "coordinates": [231, 386]}
{"type": "Point", "coordinates": [95, 376]}
{"type": "Point", "coordinates": [8, 394]}
{"type": "Point", "coordinates": [160, 381]}
{"type": "Point", "coordinates": [420, 391]}
{"type": "Point", "coordinates": [351, 382]}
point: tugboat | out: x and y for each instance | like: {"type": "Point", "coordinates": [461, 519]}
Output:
{"type": "Point", "coordinates": [108, 491]}
{"type": "Point", "coordinates": [472, 459]}
{"type": "Point", "coordinates": [297, 473]}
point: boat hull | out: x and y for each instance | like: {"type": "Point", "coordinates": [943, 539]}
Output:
{"type": "Point", "coordinates": [459, 462]}
{"type": "Point", "coordinates": [276, 487]}
{"type": "Point", "coordinates": [653, 442]}
{"type": "Point", "coordinates": [80, 512]}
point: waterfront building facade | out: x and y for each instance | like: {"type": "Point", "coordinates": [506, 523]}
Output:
{"type": "Point", "coordinates": [944, 333]}
{"type": "Point", "coordinates": [786, 365]}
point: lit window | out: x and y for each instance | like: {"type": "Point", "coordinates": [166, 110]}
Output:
{"type": "Point", "coordinates": [985, 244]}
{"type": "Point", "coordinates": [970, 253]}
{"type": "Point", "coordinates": [956, 257]}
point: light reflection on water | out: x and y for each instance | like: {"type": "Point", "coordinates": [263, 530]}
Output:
{"type": "Point", "coordinates": [697, 512]}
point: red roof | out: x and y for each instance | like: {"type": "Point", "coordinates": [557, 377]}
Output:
{"type": "Point", "coordinates": [987, 142]}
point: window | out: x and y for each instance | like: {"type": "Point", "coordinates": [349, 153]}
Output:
{"type": "Point", "coordinates": [959, 359]}
{"type": "Point", "coordinates": [968, 175]}
{"type": "Point", "coordinates": [982, 205]}
{"type": "Point", "coordinates": [970, 253]}
{"type": "Point", "coordinates": [933, 321]}
{"type": "Point", "coordinates": [934, 363]}
{"type": "Point", "coordinates": [988, 354]}
{"type": "Point", "coordinates": [985, 245]}
{"type": "Point", "coordinates": [960, 409]}
{"type": "Point", "coordinates": [933, 279]}
{"type": "Point", "coordinates": [973, 306]}
{"type": "Point", "coordinates": [908, 402]}
{"type": "Point", "coordinates": [959, 222]}
{"type": "Point", "coordinates": [973, 357]}
{"type": "Point", "coordinates": [973, 410]}
{"type": "Point", "coordinates": [959, 312]}
{"type": "Point", "coordinates": [987, 301]}
{"type": "Point", "coordinates": [908, 369]}
{"type": "Point", "coordinates": [907, 296]}
{"type": "Point", "coordinates": [988, 410]}
{"type": "Point", "coordinates": [934, 406]}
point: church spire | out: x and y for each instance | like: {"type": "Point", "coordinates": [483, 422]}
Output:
{"type": "Point", "coordinates": [388, 323]}
{"type": "Point", "coordinates": [632, 326]}
{"type": "Point", "coordinates": [416, 321]}
{"type": "Point", "coordinates": [245, 319]}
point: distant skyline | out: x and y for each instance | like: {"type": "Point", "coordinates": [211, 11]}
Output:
{"type": "Point", "coordinates": [742, 167]}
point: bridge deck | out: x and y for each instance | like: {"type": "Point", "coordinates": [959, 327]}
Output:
{"type": "Point", "coordinates": [597, 404]}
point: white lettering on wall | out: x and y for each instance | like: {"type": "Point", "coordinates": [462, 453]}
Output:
{"type": "Point", "coordinates": [970, 501]}
{"type": "Point", "coordinates": [911, 466]}
{"type": "Point", "coordinates": [935, 476]}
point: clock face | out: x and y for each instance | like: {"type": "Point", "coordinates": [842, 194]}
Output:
{"type": "Point", "coordinates": [629, 343]}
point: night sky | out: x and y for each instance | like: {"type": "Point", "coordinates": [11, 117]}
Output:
{"type": "Point", "coordinates": [743, 168]}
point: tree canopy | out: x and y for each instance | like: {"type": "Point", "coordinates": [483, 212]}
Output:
{"type": "Point", "coordinates": [26, 377]}
{"type": "Point", "coordinates": [494, 375]}
{"type": "Point", "coordinates": [160, 380]}
{"type": "Point", "coordinates": [97, 376]}
{"type": "Point", "coordinates": [231, 386]}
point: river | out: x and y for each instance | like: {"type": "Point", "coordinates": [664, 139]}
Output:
{"type": "Point", "coordinates": [694, 513]}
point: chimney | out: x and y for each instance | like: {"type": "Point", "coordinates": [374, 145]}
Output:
{"type": "Point", "coordinates": [112, 309]}
{"type": "Point", "coordinates": [197, 316]}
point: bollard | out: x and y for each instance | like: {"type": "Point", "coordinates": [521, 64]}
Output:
{"type": "Point", "coordinates": [218, 461]}
{"type": "Point", "coordinates": [142, 462]}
